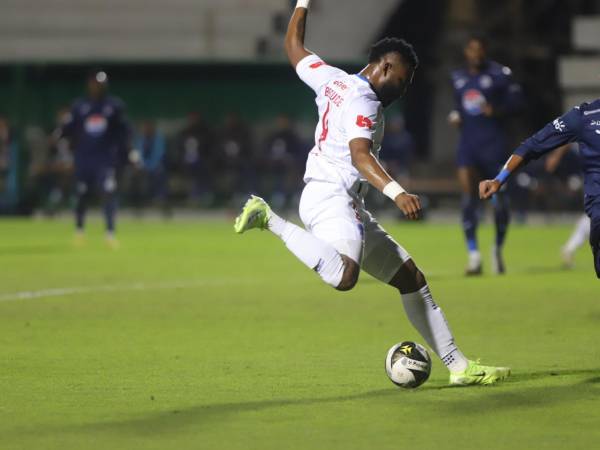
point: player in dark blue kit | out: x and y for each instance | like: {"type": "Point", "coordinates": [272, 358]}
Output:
{"type": "Point", "coordinates": [100, 136]}
{"type": "Point", "coordinates": [582, 125]}
{"type": "Point", "coordinates": [485, 94]}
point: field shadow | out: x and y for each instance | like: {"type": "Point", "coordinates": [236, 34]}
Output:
{"type": "Point", "coordinates": [552, 373]}
{"type": "Point", "coordinates": [496, 398]}
{"type": "Point", "coordinates": [201, 415]}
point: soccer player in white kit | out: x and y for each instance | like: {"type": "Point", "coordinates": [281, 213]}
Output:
{"type": "Point", "coordinates": [341, 236]}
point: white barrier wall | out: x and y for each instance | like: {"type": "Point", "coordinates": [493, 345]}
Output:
{"type": "Point", "coordinates": [342, 30]}
{"type": "Point", "coordinates": [69, 30]}
{"type": "Point", "coordinates": [586, 33]}
{"type": "Point", "coordinates": [163, 30]}
{"type": "Point", "coordinates": [579, 72]}
{"type": "Point", "coordinates": [579, 78]}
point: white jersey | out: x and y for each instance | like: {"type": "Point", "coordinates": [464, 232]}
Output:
{"type": "Point", "coordinates": [348, 109]}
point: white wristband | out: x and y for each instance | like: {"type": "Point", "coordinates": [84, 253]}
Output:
{"type": "Point", "coordinates": [303, 4]}
{"type": "Point", "coordinates": [393, 190]}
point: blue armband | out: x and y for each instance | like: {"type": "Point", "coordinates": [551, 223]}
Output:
{"type": "Point", "coordinates": [503, 176]}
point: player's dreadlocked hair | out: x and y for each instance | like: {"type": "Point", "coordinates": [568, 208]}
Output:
{"type": "Point", "coordinates": [394, 45]}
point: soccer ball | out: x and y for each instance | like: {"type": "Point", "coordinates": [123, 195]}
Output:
{"type": "Point", "coordinates": [408, 364]}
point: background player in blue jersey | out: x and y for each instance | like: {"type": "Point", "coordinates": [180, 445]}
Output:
{"type": "Point", "coordinates": [582, 125]}
{"type": "Point", "coordinates": [485, 94]}
{"type": "Point", "coordinates": [100, 135]}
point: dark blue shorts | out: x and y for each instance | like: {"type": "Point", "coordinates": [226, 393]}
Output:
{"type": "Point", "coordinates": [96, 179]}
{"type": "Point", "coordinates": [487, 160]}
{"type": "Point", "coordinates": [592, 209]}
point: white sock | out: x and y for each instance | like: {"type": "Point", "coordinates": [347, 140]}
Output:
{"type": "Point", "coordinates": [474, 258]}
{"type": "Point", "coordinates": [314, 253]}
{"type": "Point", "coordinates": [580, 235]}
{"type": "Point", "coordinates": [429, 320]}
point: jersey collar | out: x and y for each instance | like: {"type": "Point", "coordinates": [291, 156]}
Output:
{"type": "Point", "coordinates": [362, 77]}
{"type": "Point", "coordinates": [366, 80]}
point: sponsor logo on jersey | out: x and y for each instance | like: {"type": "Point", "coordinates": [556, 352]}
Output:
{"type": "Point", "coordinates": [317, 64]}
{"type": "Point", "coordinates": [597, 131]}
{"type": "Point", "coordinates": [364, 122]}
{"type": "Point", "coordinates": [559, 125]}
{"type": "Point", "coordinates": [593, 111]}
{"type": "Point", "coordinates": [96, 124]}
{"type": "Point", "coordinates": [595, 123]}
{"type": "Point", "coordinates": [473, 101]}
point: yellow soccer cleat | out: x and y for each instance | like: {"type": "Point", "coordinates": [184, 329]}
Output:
{"type": "Point", "coordinates": [255, 214]}
{"type": "Point", "coordinates": [475, 373]}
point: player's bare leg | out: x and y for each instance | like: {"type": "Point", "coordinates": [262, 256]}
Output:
{"type": "Point", "coordinates": [429, 320]}
{"type": "Point", "coordinates": [468, 178]}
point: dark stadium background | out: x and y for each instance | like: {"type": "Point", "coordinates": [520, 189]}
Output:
{"type": "Point", "coordinates": [529, 36]}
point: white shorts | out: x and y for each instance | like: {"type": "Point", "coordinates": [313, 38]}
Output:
{"type": "Point", "coordinates": [330, 213]}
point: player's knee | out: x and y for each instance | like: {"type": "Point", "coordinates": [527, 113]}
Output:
{"type": "Point", "coordinates": [420, 280]}
{"type": "Point", "coordinates": [408, 278]}
{"type": "Point", "coordinates": [350, 275]}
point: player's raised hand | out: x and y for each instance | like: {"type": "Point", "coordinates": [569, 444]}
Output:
{"type": "Point", "coordinates": [409, 204]}
{"type": "Point", "coordinates": [487, 188]}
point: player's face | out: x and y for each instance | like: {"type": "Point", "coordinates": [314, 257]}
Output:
{"type": "Point", "coordinates": [95, 88]}
{"type": "Point", "coordinates": [397, 76]}
{"type": "Point", "coordinates": [475, 53]}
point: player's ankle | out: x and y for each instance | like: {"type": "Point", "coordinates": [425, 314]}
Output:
{"type": "Point", "coordinates": [455, 361]}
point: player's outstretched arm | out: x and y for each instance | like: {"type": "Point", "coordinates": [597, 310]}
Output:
{"type": "Point", "coordinates": [371, 169]}
{"type": "Point", "coordinates": [294, 38]}
{"type": "Point", "coordinates": [560, 131]}
{"type": "Point", "coordinates": [487, 188]}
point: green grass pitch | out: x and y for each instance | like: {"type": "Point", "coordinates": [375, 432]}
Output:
{"type": "Point", "coordinates": [191, 337]}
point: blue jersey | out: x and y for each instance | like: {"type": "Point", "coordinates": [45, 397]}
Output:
{"type": "Point", "coordinates": [493, 85]}
{"type": "Point", "coordinates": [99, 132]}
{"type": "Point", "coordinates": [582, 125]}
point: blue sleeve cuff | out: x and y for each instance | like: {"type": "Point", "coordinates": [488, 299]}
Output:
{"type": "Point", "coordinates": [503, 176]}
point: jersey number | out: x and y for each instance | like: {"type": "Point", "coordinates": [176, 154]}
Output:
{"type": "Point", "coordinates": [364, 122]}
{"type": "Point", "coordinates": [325, 125]}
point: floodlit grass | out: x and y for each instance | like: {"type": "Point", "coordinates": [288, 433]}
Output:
{"type": "Point", "coordinates": [192, 337]}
